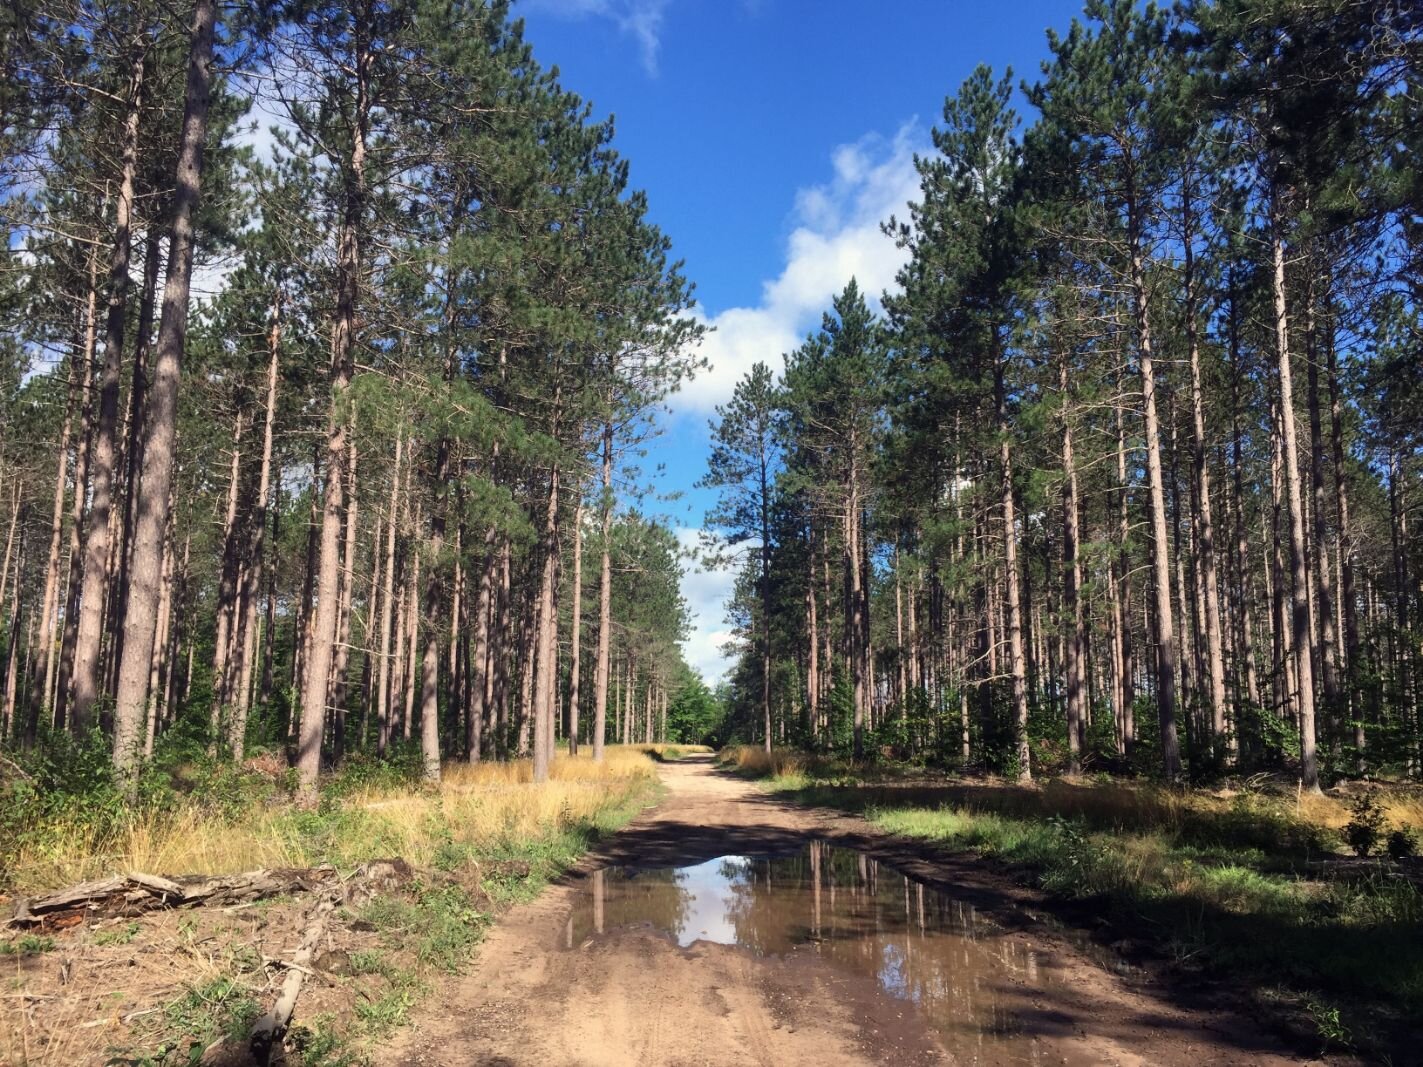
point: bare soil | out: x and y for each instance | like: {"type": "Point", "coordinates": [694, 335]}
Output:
{"type": "Point", "coordinates": [635, 996]}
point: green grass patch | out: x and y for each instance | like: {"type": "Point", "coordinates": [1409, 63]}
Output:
{"type": "Point", "coordinates": [224, 1007]}
{"type": "Point", "coordinates": [1236, 892]}
{"type": "Point", "coordinates": [27, 945]}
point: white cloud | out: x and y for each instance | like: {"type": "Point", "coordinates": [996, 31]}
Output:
{"type": "Point", "coordinates": [835, 236]}
{"type": "Point", "coordinates": [639, 19]}
{"type": "Point", "coordinates": [709, 647]}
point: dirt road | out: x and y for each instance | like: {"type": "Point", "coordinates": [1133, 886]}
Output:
{"type": "Point", "coordinates": [545, 994]}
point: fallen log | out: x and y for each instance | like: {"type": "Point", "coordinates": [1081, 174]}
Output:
{"type": "Point", "coordinates": [135, 893]}
{"type": "Point", "coordinates": [269, 1030]}
{"type": "Point", "coordinates": [264, 1042]}
{"type": "Point", "coordinates": [128, 895]}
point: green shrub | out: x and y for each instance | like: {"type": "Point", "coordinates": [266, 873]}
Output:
{"type": "Point", "coordinates": [1402, 844]}
{"type": "Point", "coordinates": [1365, 825]}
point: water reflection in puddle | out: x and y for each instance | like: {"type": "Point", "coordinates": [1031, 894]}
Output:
{"type": "Point", "coordinates": [854, 914]}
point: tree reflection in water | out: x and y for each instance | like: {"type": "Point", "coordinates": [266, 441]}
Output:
{"type": "Point", "coordinates": [845, 908]}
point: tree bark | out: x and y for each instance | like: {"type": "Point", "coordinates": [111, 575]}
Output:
{"type": "Point", "coordinates": [482, 680]}
{"type": "Point", "coordinates": [430, 661]}
{"type": "Point", "coordinates": [1319, 553]}
{"type": "Point", "coordinates": [257, 561]}
{"type": "Point", "coordinates": [1347, 592]}
{"type": "Point", "coordinates": [94, 595]}
{"type": "Point", "coordinates": [40, 694]}
{"type": "Point", "coordinates": [227, 583]}
{"type": "Point", "coordinates": [1160, 550]}
{"type": "Point", "coordinates": [763, 463]}
{"type": "Point", "coordinates": [547, 628]}
{"type": "Point", "coordinates": [605, 599]}
{"type": "Point", "coordinates": [1299, 569]}
{"type": "Point", "coordinates": [1071, 583]}
{"type": "Point", "coordinates": [1210, 607]}
{"type": "Point", "coordinates": [387, 618]}
{"type": "Point", "coordinates": [575, 638]}
{"type": "Point", "coordinates": [1016, 664]}
{"type": "Point", "coordinates": [343, 339]}
{"type": "Point", "coordinates": [77, 507]}
{"type": "Point", "coordinates": [410, 670]}
{"type": "Point", "coordinates": [155, 489]}
{"type": "Point", "coordinates": [341, 659]}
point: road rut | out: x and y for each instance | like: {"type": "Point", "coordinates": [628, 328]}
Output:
{"type": "Point", "coordinates": [633, 996]}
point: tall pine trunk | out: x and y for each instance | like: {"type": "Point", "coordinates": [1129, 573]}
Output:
{"type": "Point", "coordinates": [1071, 584]}
{"type": "Point", "coordinates": [1016, 663]}
{"type": "Point", "coordinates": [1160, 546]}
{"type": "Point", "coordinates": [257, 550]}
{"type": "Point", "coordinates": [1299, 566]}
{"type": "Point", "coordinates": [605, 593]}
{"type": "Point", "coordinates": [1205, 547]}
{"type": "Point", "coordinates": [94, 596]}
{"type": "Point", "coordinates": [154, 491]}
{"type": "Point", "coordinates": [545, 635]}
{"type": "Point", "coordinates": [343, 339]}
{"type": "Point", "coordinates": [575, 638]}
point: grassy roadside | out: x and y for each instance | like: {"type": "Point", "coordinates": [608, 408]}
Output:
{"type": "Point", "coordinates": [1250, 887]}
{"type": "Point", "coordinates": [486, 838]}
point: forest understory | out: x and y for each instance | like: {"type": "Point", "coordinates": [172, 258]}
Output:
{"type": "Point", "coordinates": [109, 981]}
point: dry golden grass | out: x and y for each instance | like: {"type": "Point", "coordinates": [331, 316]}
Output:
{"type": "Point", "coordinates": [1265, 816]}
{"type": "Point", "coordinates": [753, 759]}
{"type": "Point", "coordinates": [1403, 809]}
{"type": "Point", "coordinates": [490, 805]}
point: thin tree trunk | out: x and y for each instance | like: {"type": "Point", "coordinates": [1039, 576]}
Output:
{"type": "Point", "coordinates": [341, 660]}
{"type": "Point", "coordinates": [409, 672]}
{"type": "Point", "coordinates": [77, 511]}
{"type": "Point", "coordinates": [765, 584]}
{"type": "Point", "coordinates": [343, 340]}
{"type": "Point", "coordinates": [227, 583]}
{"type": "Point", "coordinates": [575, 638]}
{"type": "Point", "coordinates": [1016, 663]}
{"type": "Point", "coordinates": [160, 646]}
{"type": "Point", "coordinates": [1323, 586]}
{"type": "Point", "coordinates": [387, 618]}
{"type": "Point", "coordinates": [1347, 592]}
{"type": "Point", "coordinates": [1071, 583]}
{"type": "Point", "coordinates": [499, 652]}
{"type": "Point", "coordinates": [547, 624]}
{"type": "Point", "coordinates": [95, 592]}
{"type": "Point", "coordinates": [122, 526]}
{"type": "Point", "coordinates": [40, 694]}
{"type": "Point", "coordinates": [12, 664]}
{"type": "Point", "coordinates": [430, 661]}
{"type": "Point", "coordinates": [1304, 670]}
{"type": "Point", "coordinates": [605, 595]}
{"type": "Point", "coordinates": [1160, 550]}
{"type": "Point", "coordinates": [851, 587]}
{"type": "Point", "coordinates": [1242, 546]}
{"type": "Point", "coordinates": [481, 682]}
{"type": "Point", "coordinates": [257, 549]}
{"type": "Point", "coordinates": [812, 674]}
{"type": "Point", "coordinates": [1210, 607]}
{"type": "Point", "coordinates": [1127, 681]}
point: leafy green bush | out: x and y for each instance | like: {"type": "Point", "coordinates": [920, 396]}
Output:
{"type": "Point", "coordinates": [1365, 825]}
{"type": "Point", "coordinates": [1402, 845]}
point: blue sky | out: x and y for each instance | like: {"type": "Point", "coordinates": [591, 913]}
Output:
{"type": "Point", "coordinates": [772, 137]}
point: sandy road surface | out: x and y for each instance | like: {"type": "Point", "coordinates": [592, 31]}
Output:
{"type": "Point", "coordinates": [633, 996]}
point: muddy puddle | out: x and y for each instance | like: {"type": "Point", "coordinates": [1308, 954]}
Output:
{"type": "Point", "coordinates": [985, 996]}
